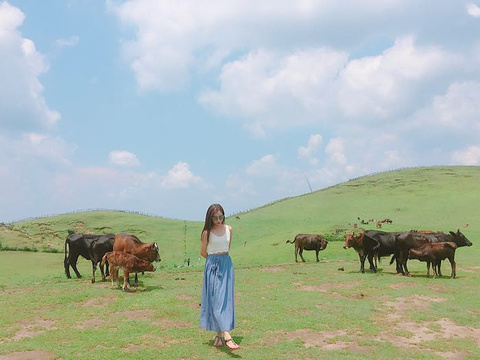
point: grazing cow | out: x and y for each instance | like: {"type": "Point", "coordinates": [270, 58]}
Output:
{"type": "Point", "coordinates": [131, 244]}
{"type": "Point", "coordinates": [414, 239]}
{"type": "Point", "coordinates": [308, 242]}
{"type": "Point", "coordinates": [128, 263]}
{"type": "Point", "coordinates": [98, 248]}
{"type": "Point", "coordinates": [434, 252]}
{"type": "Point", "coordinates": [77, 245]}
{"type": "Point", "coordinates": [378, 224]}
{"type": "Point", "coordinates": [356, 242]}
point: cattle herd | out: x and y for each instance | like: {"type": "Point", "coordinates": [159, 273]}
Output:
{"type": "Point", "coordinates": [125, 251]}
{"type": "Point", "coordinates": [429, 246]}
{"type": "Point", "coordinates": [112, 252]}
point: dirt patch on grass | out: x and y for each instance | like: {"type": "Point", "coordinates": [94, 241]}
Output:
{"type": "Point", "coordinates": [274, 269]}
{"type": "Point", "coordinates": [327, 287]}
{"type": "Point", "coordinates": [30, 355]}
{"type": "Point", "coordinates": [89, 324]}
{"type": "Point", "coordinates": [396, 329]}
{"type": "Point", "coordinates": [411, 334]}
{"type": "Point", "coordinates": [137, 315]}
{"type": "Point", "coordinates": [30, 328]}
{"type": "Point", "coordinates": [326, 340]}
{"type": "Point", "coordinates": [97, 302]}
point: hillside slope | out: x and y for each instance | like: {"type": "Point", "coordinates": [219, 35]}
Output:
{"type": "Point", "coordinates": [437, 198]}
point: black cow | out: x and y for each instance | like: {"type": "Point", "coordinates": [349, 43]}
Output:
{"type": "Point", "coordinates": [379, 243]}
{"type": "Point", "coordinates": [413, 239]}
{"type": "Point", "coordinates": [98, 248]}
{"type": "Point", "coordinates": [76, 245]}
{"type": "Point", "coordinates": [308, 242]}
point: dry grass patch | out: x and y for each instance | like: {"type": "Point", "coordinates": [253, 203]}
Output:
{"type": "Point", "coordinates": [29, 355]}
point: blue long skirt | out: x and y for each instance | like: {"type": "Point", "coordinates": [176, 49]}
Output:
{"type": "Point", "coordinates": [217, 311]}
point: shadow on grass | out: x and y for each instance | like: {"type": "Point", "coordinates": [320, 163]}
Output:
{"type": "Point", "coordinates": [226, 350]}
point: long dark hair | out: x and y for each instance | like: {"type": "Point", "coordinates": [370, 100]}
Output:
{"type": "Point", "coordinates": [212, 209]}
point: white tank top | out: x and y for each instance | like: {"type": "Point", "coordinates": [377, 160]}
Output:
{"type": "Point", "coordinates": [219, 244]}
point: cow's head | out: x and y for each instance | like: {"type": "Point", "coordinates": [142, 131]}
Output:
{"type": "Point", "coordinates": [157, 252]}
{"type": "Point", "coordinates": [348, 240]}
{"type": "Point", "coordinates": [351, 239]}
{"type": "Point", "coordinates": [460, 239]}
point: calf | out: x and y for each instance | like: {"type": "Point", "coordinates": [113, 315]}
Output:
{"type": "Point", "coordinates": [131, 244]}
{"type": "Point", "coordinates": [308, 242]}
{"type": "Point", "coordinates": [356, 242]}
{"type": "Point", "coordinates": [434, 252]}
{"type": "Point", "coordinates": [128, 263]}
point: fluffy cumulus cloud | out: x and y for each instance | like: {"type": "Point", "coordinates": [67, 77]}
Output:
{"type": "Point", "coordinates": [180, 177]}
{"type": "Point", "coordinates": [123, 158]}
{"type": "Point", "coordinates": [22, 105]}
{"type": "Point", "coordinates": [310, 152]}
{"type": "Point", "coordinates": [473, 9]}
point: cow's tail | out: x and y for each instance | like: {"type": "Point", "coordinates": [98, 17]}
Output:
{"type": "Point", "coordinates": [104, 259]}
{"type": "Point", "coordinates": [392, 259]}
{"type": "Point", "coordinates": [288, 241]}
{"type": "Point", "coordinates": [66, 251]}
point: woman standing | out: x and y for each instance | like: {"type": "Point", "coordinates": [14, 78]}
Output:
{"type": "Point", "coordinates": [217, 312]}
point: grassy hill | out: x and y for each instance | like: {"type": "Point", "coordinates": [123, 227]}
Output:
{"type": "Point", "coordinates": [438, 198]}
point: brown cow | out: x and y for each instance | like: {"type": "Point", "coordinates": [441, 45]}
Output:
{"type": "Point", "coordinates": [356, 242]}
{"type": "Point", "coordinates": [128, 263]}
{"type": "Point", "coordinates": [131, 244]}
{"type": "Point", "coordinates": [308, 242]}
{"type": "Point", "coordinates": [433, 252]}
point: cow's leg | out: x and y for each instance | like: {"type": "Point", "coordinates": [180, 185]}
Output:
{"type": "Point", "coordinates": [362, 263]}
{"type": "Point", "coordinates": [135, 281]}
{"type": "Point", "coordinates": [454, 268]}
{"type": "Point", "coordinates": [107, 270]}
{"type": "Point", "coordinates": [73, 263]}
{"type": "Point", "coordinates": [94, 268]}
{"type": "Point", "coordinates": [300, 252]}
{"type": "Point", "coordinates": [439, 264]}
{"type": "Point", "coordinates": [428, 268]}
{"type": "Point", "coordinates": [114, 276]}
{"type": "Point", "coordinates": [296, 253]}
{"type": "Point", "coordinates": [317, 254]}
{"type": "Point", "coordinates": [66, 264]}
{"type": "Point", "coordinates": [126, 277]}
{"type": "Point", "coordinates": [102, 270]}
{"type": "Point", "coordinates": [370, 260]}
{"type": "Point", "coordinates": [407, 273]}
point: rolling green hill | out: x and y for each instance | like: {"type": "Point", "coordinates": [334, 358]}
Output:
{"type": "Point", "coordinates": [437, 198]}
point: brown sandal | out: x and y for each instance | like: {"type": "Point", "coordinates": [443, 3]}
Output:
{"type": "Point", "coordinates": [233, 345]}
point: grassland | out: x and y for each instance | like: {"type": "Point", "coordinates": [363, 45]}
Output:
{"type": "Point", "coordinates": [284, 310]}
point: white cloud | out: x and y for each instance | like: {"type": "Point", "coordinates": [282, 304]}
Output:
{"type": "Point", "coordinates": [336, 150]}
{"type": "Point", "coordinates": [72, 41]}
{"type": "Point", "coordinates": [469, 156]}
{"type": "Point", "coordinates": [473, 10]}
{"type": "Point", "coordinates": [172, 40]}
{"type": "Point", "coordinates": [392, 83]}
{"type": "Point", "coordinates": [22, 105]}
{"type": "Point", "coordinates": [269, 90]}
{"type": "Point", "coordinates": [265, 166]}
{"type": "Point", "coordinates": [180, 177]}
{"type": "Point", "coordinates": [123, 158]}
{"type": "Point", "coordinates": [309, 152]}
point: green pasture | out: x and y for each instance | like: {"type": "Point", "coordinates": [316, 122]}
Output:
{"type": "Point", "coordinates": [285, 310]}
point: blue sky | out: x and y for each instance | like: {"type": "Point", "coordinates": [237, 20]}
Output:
{"type": "Point", "coordinates": [164, 107]}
